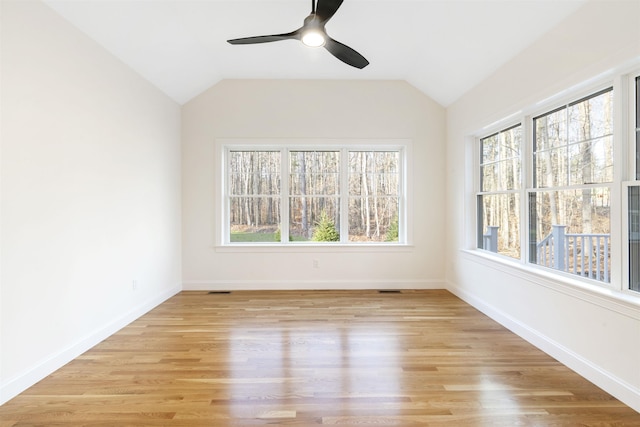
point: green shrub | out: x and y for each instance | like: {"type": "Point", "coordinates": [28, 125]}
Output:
{"type": "Point", "coordinates": [392, 232]}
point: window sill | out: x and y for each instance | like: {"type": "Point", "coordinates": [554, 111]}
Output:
{"type": "Point", "coordinates": [313, 248]}
{"type": "Point", "coordinates": [626, 303]}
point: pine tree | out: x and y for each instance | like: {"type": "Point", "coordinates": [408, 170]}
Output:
{"type": "Point", "coordinates": [325, 230]}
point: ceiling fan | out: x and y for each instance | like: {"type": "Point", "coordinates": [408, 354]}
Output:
{"type": "Point", "coordinates": [313, 34]}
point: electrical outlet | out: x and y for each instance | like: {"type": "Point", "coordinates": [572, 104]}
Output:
{"type": "Point", "coordinates": [316, 263]}
{"type": "Point", "coordinates": [134, 285]}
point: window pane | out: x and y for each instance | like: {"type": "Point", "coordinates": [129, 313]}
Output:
{"type": "Point", "coordinates": [591, 118]}
{"type": "Point", "coordinates": [374, 173]}
{"type": "Point", "coordinates": [574, 145]}
{"type": "Point", "coordinates": [254, 219]}
{"type": "Point", "coordinates": [254, 173]}
{"type": "Point", "coordinates": [570, 231]}
{"type": "Point", "coordinates": [314, 173]}
{"type": "Point", "coordinates": [490, 176]}
{"type": "Point", "coordinates": [510, 141]}
{"type": "Point", "coordinates": [510, 174]}
{"type": "Point", "coordinates": [314, 219]}
{"type": "Point", "coordinates": [594, 161]}
{"type": "Point", "coordinates": [500, 163]}
{"type": "Point", "coordinates": [499, 219]}
{"type": "Point", "coordinates": [489, 149]}
{"type": "Point", "coordinates": [551, 168]}
{"type": "Point", "coordinates": [634, 238]}
{"type": "Point", "coordinates": [373, 219]}
{"type": "Point", "coordinates": [551, 130]}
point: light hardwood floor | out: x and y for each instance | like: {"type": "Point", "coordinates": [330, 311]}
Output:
{"type": "Point", "coordinates": [299, 358]}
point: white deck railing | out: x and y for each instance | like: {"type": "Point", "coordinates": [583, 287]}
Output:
{"type": "Point", "coordinates": [583, 254]}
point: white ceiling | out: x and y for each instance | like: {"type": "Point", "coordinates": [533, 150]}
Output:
{"type": "Point", "coordinates": [443, 48]}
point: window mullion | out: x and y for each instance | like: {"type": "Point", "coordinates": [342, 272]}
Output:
{"type": "Point", "coordinates": [226, 196]}
{"type": "Point", "coordinates": [620, 173]}
{"type": "Point", "coordinates": [344, 195]}
{"type": "Point", "coordinates": [526, 175]}
{"type": "Point", "coordinates": [566, 140]}
{"type": "Point", "coordinates": [285, 197]}
{"type": "Point", "coordinates": [403, 234]}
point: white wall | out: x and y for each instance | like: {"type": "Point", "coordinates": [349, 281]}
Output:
{"type": "Point", "coordinates": [596, 334]}
{"type": "Point", "coordinates": [90, 194]}
{"type": "Point", "coordinates": [287, 110]}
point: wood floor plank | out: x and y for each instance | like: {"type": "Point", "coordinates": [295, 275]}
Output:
{"type": "Point", "coordinates": [303, 358]}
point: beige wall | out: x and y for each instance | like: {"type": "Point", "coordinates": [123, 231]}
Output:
{"type": "Point", "coordinates": [286, 110]}
{"type": "Point", "coordinates": [595, 333]}
{"type": "Point", "coordinates": [90, 194]}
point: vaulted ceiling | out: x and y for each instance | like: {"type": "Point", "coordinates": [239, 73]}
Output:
{"type": "Point", "coordinates": [443, 48]}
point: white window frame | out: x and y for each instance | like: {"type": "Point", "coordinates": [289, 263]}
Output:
{"type": "Point", "coordinates": [622, 80]}
{"type": "Point", "coordinates": [284, 146]}
{"type": "Point", "coordinates": [634, 169]}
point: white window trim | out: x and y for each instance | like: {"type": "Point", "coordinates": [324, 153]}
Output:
{"type": "Point", "coordinates": [221, 228]}
{"type": "Point", "coordinates": [622, 81]}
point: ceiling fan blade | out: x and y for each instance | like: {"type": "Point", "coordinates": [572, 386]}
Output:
{"type": "Point", "coordinates": [345, 54]}
{"type": "Point", "coordinates": [266, 39]}
{"type": "Point", "coordinates": [326, 9]}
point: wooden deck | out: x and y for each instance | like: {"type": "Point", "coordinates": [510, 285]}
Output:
{"type": "Point", "coordinates": [301, 358]}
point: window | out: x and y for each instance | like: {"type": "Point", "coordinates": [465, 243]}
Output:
{"type": "Point", "coordinates": [374, 195]}
{"type": "Point", "coordinates": [633, 204]}
{"type": "Point", "coordinates": [569, 205]}
{"type": "Point", "coordinates": [549, 192]}
{"type": "Point", "coordinates": [314, 195]}
{"type": "Point", "coordinates": [499, 198]}
{"type": "Point", "coordinates": [254, 195]}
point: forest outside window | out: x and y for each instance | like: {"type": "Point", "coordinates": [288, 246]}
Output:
{"type": "Point", "coordinates": [314, 196]}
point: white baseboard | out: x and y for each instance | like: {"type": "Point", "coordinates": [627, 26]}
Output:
{"type": "Point", "coordinates": [19, 383]}
{"type": "Point", "coordinates": [282, 285]}
{"type": "Point", "coordinates": [620, 389]}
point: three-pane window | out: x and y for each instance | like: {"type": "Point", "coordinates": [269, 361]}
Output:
{"type": "Point", "coordinates": [329, 195]}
